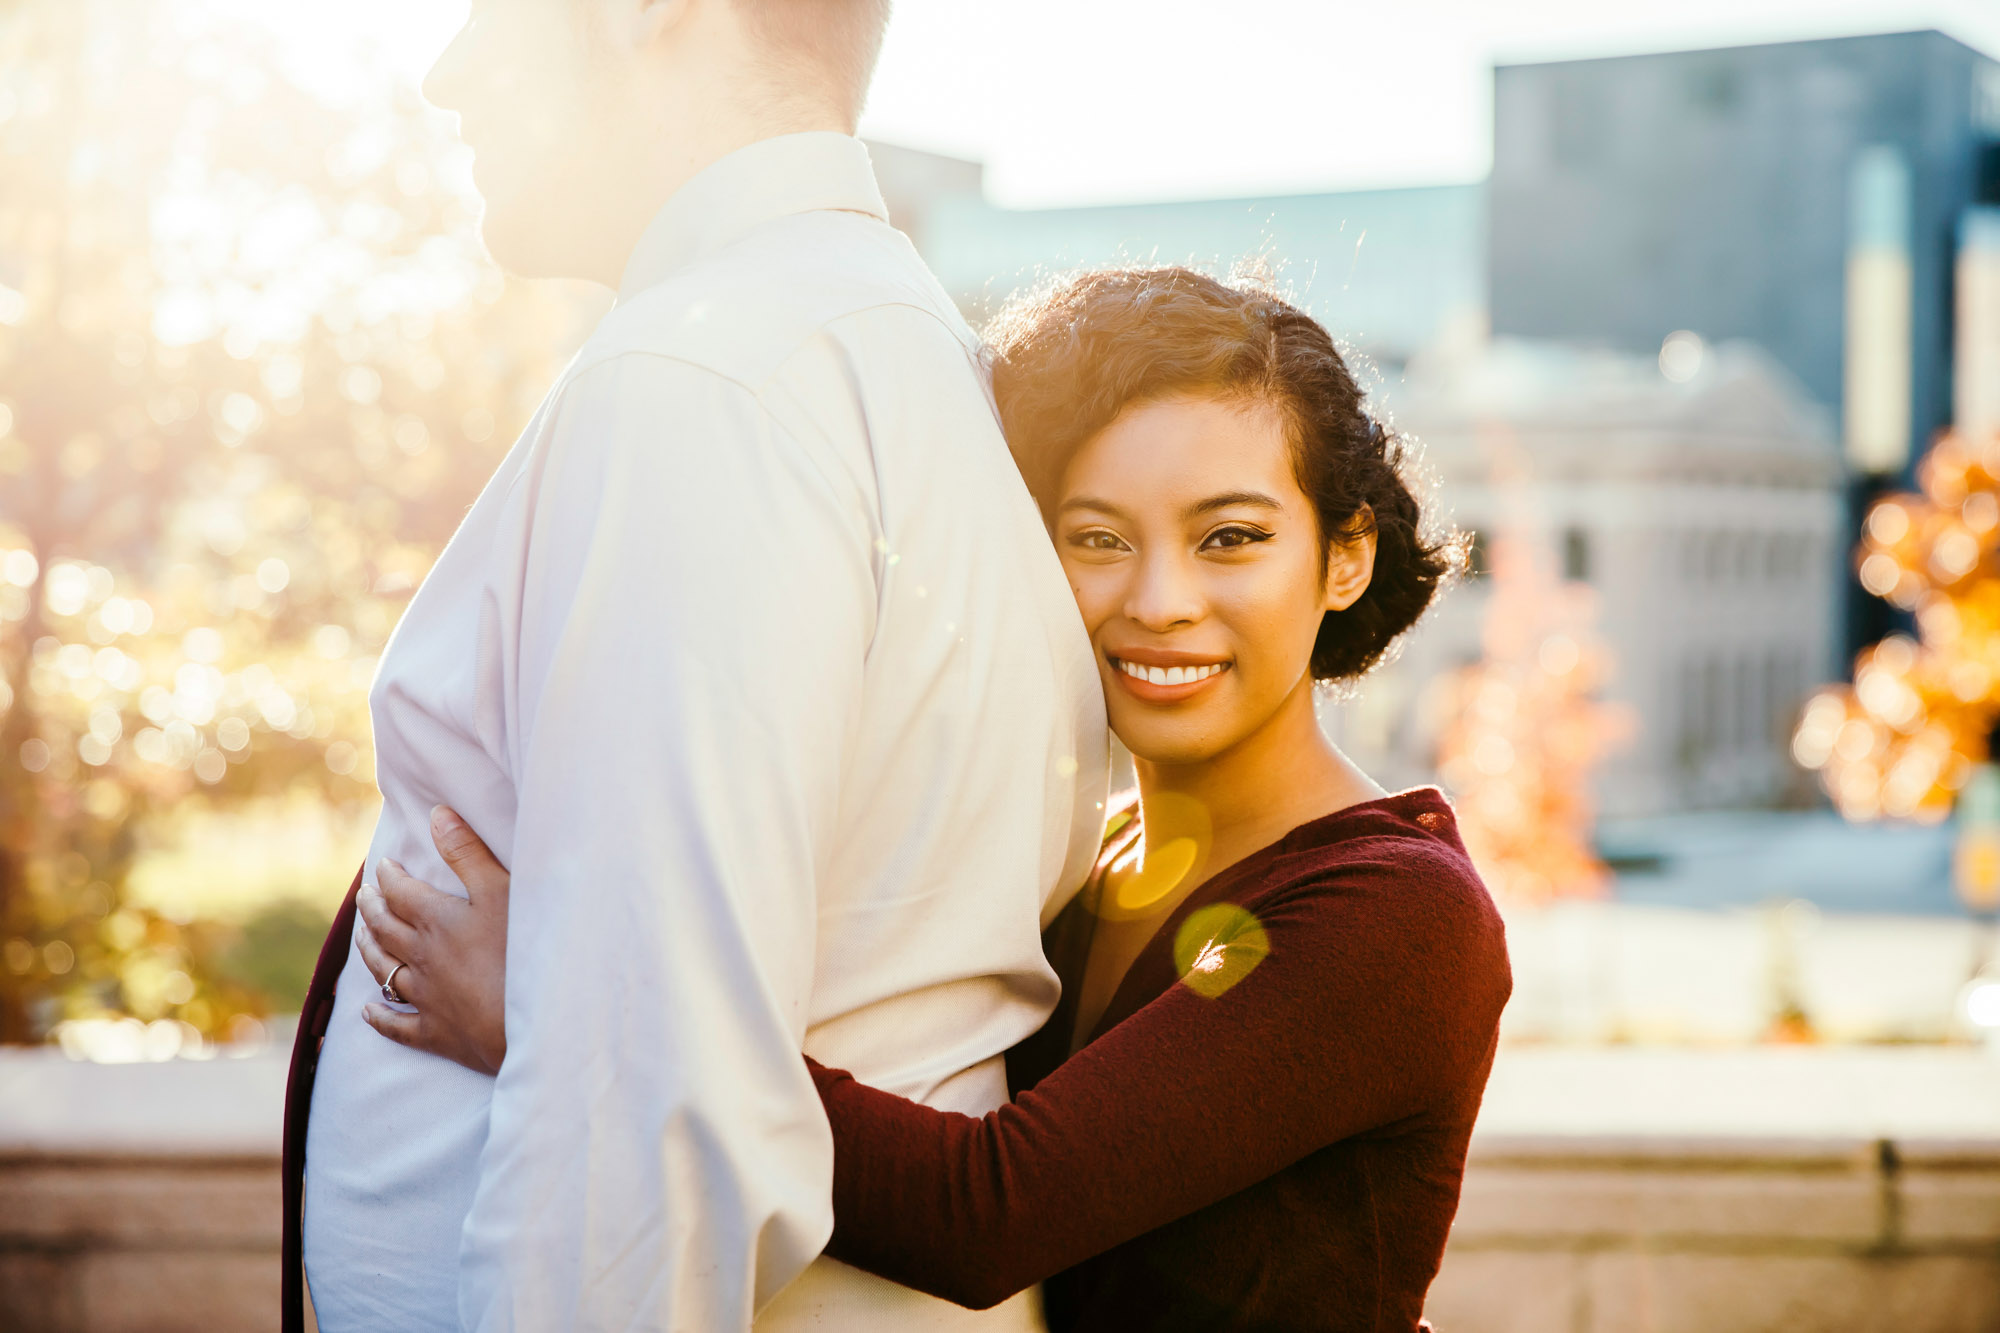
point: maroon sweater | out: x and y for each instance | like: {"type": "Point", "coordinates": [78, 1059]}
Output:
{"type": "Point", "coordinates": [1267, 1128]}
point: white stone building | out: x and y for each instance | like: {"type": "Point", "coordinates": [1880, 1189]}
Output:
{"type": "Point", "coordinates": [1700, 495]}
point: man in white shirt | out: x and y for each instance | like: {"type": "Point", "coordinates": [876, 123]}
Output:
{"type": "Point", "coordinates": [753, 662]}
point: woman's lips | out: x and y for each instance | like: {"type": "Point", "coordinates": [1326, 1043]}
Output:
{"type": "Point", "coordinates": [1161, 683]}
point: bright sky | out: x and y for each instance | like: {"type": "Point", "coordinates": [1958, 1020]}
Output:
{"type": "Point", "coordinates": [1081, 101]}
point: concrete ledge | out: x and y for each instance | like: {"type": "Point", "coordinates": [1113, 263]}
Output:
{"type": "Point", "coordinates": [133, 1244]}
{"type": "Point", "coordinates": [1677, 1234]}
{"type": "Point", "coordinates": [1677, 1292]}
{"type": "Point", "coordinates": [1795, 1193]}
{"type": "Point", "coordinates": [1948, 1193]}
{"type": "Point", "coordinates": [51, 1104]}
{"type": "Point", "coordinates": [66, 1204]}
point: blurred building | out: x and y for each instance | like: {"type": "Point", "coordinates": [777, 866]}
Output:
{"type": "Point", "coordinates": [1807, 196]}
{"type": "Point", "coordinates": [1389, 271]}
{"type": "Point", "coordinates": [1652, 222]}
{"type": "Point", "coordinates": [916, 183]}
{"type": "Point", "coordinates": [1976, 390]}
{"type": "Point", "coordinates": [1705, 510]}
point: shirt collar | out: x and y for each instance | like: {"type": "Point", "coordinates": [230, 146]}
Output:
{"type": "Point", "coordinates": [771, 179]}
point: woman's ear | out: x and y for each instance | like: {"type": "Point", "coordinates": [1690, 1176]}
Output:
{"type": "Point", "coordinates": [1350, 563]}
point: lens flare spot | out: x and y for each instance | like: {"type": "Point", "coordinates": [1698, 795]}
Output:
{"type": "Point", "coordinates": [1218, 946]}
{"type": "Point", "coordinates": [1162, 870]}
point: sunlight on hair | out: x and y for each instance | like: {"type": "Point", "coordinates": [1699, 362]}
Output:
{"type": "Point", "coordinates": [1218, 946]}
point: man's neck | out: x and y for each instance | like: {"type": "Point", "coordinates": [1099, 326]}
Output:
{"type": "Point", "coordinates": [662, 167]}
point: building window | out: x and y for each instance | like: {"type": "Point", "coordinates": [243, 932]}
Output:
{"type": "Point", "coordinates": [1744, 735]}
{"type": "Point", "coordinates": [1576, 555]}
{"type": "Point", "coordinates": [1778, 701]}
{"type": "Point", "coordinates": [1690, 715]}
{"type": "Point", "coordinates": [1714, 708]}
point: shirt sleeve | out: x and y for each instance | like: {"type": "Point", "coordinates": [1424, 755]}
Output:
{"type": "Point", "coordinates": [694, 617]}
{"type": "Point", "coordinates": [1316, 1019]}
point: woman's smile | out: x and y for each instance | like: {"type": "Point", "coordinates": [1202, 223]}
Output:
{"type": "Point", "coordinates": [1160, 677]}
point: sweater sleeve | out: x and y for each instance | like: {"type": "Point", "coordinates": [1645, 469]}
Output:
{"type": "Point", "coordinates": [1346, 1004]}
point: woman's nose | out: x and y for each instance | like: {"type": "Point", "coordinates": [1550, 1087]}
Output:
{"type": "Point", "coordinates": [1163, 594]}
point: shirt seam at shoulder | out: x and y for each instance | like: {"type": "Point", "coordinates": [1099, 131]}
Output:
{"type": "Point", "coordinates": [785, 362]}
{"type": "Point", "coordinates": [589, 362]}
{"type": "Point", "coordinates": [610, 354]}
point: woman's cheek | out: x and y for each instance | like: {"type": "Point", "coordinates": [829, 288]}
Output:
{"type": "Point", "coordinates": [1271, 631]}
{"type": "Point", "coordinates": [1095, 598]}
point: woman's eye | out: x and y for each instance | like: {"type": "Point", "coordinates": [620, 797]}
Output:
{"type": "Point", "coordinates": [1227, 538]}
{"type": "Point", "coordinates": [1098, 540]}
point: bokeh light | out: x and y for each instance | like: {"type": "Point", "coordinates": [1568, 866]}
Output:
{"type": "Point", "coordinates": [1982, 1004]}
{"type": "Point", "coordinates": [253, 367]}
{"type": "Point", "coordinates": [1902, 741]}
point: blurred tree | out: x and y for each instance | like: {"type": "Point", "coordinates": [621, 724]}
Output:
{"type": "Point", "coordinates": [1907, 736]}
{"type": "Point", "coordinates": [1522, 730]}
{"type": "Point", "coordinates": [253, 367]}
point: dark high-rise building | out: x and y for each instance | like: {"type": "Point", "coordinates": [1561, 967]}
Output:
{"type": "Point", "coordinates": [1808, 196]}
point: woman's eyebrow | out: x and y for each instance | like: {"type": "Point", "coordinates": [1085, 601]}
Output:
{"type": "Point", "coordinates": [1230, 499]}
{"type": "Point", "coordinates": [1091, 503]}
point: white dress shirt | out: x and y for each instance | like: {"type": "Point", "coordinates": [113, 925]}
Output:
{"type": "Point", "coordinates": [754, 663]}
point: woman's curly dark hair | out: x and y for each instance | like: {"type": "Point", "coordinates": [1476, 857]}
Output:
{"type": "Point", "coordinates": [1070, 358]}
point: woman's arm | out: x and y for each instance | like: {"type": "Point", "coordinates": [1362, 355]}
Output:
{"type": "Point", "coordinates": [1377, 996]}
{"type": "Point", "coordinates": [1351, 1003]}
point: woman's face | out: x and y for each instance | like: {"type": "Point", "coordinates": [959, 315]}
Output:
{"type": "Point", "coordinates": [1196, 561]}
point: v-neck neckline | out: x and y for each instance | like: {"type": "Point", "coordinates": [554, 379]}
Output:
{"type": "Point", "coordinates": [1123, 1003]}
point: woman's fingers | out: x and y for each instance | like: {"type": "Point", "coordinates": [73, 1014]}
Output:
{"type": "Point", "coordinates": [417, 907]}
{"type": "Point", "coordinates": [469, 858]}
{"type": "Point", "coordinates": [394, 931]}
{"type": "Point", "coordinates": [382, 964]}
{"type": "Point", "coordinates": [403, 1029]}
{"type": "Point", "coordinates": [372, 956]}
{"type": "Point", "coordinates": [420, 1032]}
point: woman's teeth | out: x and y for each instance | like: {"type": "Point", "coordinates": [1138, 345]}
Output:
{"type": "Point", "coordinates": [1169, 675]}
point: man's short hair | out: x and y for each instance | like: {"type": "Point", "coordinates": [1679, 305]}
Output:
{"type": "Point", "coordinates": [836, 38]}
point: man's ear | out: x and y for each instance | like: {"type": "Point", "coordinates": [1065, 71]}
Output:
{"type": "Point", "coordinates": [1350, 562]}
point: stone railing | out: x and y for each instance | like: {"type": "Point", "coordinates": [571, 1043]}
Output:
{"type": "Point", "coordinates": [113, 1243]}
{"type": "Point", "coordinates": [144, 1198]}
{"type": "Point", "coordinates": [1658, 1235]}
{"type": "Point", "coordinates": [139, 1198]}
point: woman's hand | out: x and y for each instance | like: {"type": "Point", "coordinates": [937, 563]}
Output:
{"type": "Point", "coordinates": [448, 954]}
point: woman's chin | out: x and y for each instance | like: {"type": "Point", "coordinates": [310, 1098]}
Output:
{"type": "Point", "coordinates": [1168, 747]}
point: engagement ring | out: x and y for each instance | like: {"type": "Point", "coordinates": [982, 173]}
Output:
{"type": "Point", "coordinates": [389, 985]}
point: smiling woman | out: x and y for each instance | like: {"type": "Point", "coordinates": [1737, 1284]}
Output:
{"type": "Point", "coordinates": [1254, 961]}
{"type": "Point", "coordinates": [1092, 353]}
{"type": "Point", "coordinates": [1200, 582]}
